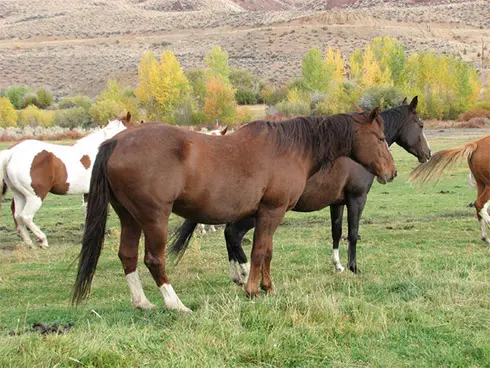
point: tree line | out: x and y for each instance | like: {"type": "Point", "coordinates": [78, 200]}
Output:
{"type": "Point", "coordinates": [382, 73]}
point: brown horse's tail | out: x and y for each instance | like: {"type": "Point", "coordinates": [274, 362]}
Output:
{"type": "Point", "coordinates": [433, 169]}
{"type": "Point", "coordinates": [181, 239]}
{"type": "Point", "coordinates": [95, 222]}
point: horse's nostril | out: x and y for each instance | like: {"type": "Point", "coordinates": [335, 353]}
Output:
{"type": "Point", "coordinates": [395, 174]}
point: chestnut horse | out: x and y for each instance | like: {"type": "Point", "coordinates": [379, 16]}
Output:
{"type": "Point", "coordinates": [259, 171]}
{"type": "Point", "coordinates": [344, 183]}
{"type": "Point", "coordinates": [31, 169]}
{"type": "Point", "coordinates": [477, 154]}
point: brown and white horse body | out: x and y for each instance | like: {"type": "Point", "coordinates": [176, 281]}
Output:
{"type": "Point", "coordinates": [31, 169]}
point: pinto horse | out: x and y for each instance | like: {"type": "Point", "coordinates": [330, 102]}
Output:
{"type": "Point", "coordinates": [31, 169]}
{"type": "Point", "coordinates": [477, 154]}
{"type": "Point", "coordinates": [344, 183]}
{"type": "Point", "coordinates": [259, 171]}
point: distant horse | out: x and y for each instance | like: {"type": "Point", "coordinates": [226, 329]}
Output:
{"type": "Point", "coordinates": [344, 183]}
{"type": "Point", "coordinates": [32, 168]}
{"type": "Point", "coordinates": [215, 132]}
{"type": "Point", "coordinates": [477, 154]}
{"type": "Point", "coordinates": [259, 171]}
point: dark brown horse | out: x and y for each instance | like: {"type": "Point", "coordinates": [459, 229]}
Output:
{"type": "Point", "coordinates": [477, 154]}
{"type": "Point", "coordinates": [344, 183]}
{"type": "Point", "coordinates": [259, 171]}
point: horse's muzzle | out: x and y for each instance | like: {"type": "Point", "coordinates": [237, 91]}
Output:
{"type": "Point", "coordinates": [385, 179]}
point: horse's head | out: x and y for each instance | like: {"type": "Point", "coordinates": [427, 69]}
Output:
{"type": "Point", "coordinates": [370, 147]}
{"type": "Point", "coordinates": [117, 125]}
{"type": "Point", "coordinates": [411, 136]}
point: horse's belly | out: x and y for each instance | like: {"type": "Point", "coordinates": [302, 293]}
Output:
{"type": "Point", "coordinates": [212, 214]}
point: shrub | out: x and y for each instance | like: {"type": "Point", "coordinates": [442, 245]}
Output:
{"type": "Point", "coordinates": [245, 97]}
{"type": "Point", "coordinates": [73, 118]}
{"type": "Point", "coordinates": [105, 110]}
{"type": "Point", "coordinates": [272, 96]}
{"type": "Point", "coordinates": [199, 117]}
{"type": "Point", "coordinates": [16, 95]}
{"type": "Point", "coordinates": [75, 101]}
{"type": "Point", "coordinates": [293, 108]}
{"type": "Point", "coordinates": [31, 100]}
{"type": "Point", "coordinates": [44, 98]}
{"type": "Point", "coordinates": [382, 96]}
{"type": "Point", "coordinates": [32, 116]}
{"type": "Point", "coordinates": [476, 113]}
{"type": "Point", "coordinates": [477, 122]}
{"type": "Point", "coordinates": [8, 115]}
{"type": "Point", "coordinates": [243, 115]}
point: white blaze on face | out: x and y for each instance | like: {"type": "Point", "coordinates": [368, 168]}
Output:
{"type": "Point", "coordinates": [138, 297]}
{"type": "Point", "coordinates": [426, 141]}
{"type": "Point", "coordinates": [171, 299]}
{"type": "Point", "coordinates": [336, 261]}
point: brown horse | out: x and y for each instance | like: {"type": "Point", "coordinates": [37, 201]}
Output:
{"type": "Point", "coordinates": [477, 154]}
{"type": "Point", "coordinates": [259, 171]}
{"type": "Point", "coordinates": [345, 182]}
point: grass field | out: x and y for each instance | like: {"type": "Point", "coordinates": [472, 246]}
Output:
{"type": "Point", "coordinates": [422, 300]}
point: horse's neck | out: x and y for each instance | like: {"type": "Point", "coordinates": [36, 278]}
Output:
{"type": "Point", "coordinates": [91, 141]}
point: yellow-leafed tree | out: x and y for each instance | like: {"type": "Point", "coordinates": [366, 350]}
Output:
{"type": "Point", "coordinates": [220, 100]}
{"type": "Point", "coordinates": [8, 115]}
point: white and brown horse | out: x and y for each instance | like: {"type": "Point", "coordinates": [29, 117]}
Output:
{"type": "Point", "coordinates": [31, 169]}
{"type": "Point", "coordinates": [477, 154]}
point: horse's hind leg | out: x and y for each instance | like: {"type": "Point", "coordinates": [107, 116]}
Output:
{"type": "Point", "coordinates": [336, 213]}
{"type": "Point", "coordinates": [355, 206]}
{"type": "Point", "coordinates": [267, 222]}
{"type": "Point", "coordinates": [482, 204]}
{"type": "Point", "coordinates": [32, 205]}
{"type": "Point", "coordinates": [239, 265]}
{"type": "Point", "coordinates": [17, 206]}
{"type": "Point", "coordinates": [128, 254]}
{"type": "Point", "coordinates": [155, 231]}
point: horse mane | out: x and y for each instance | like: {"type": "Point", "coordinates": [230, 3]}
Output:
{"type": "Point", "coordinates": [394, 119]}
{"type": "Point", "coordinates": [324, 137]}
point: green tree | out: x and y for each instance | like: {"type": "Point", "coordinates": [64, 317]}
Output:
{"type": "Point", "coordinates": [217, 62]}
{"type": "Point", "coordinates": [8, 115]}
{"type": "Point", "coordinates": [44, 98]}
{"type": "Point", "coordinates": [16, 95]}
{"type": "Point", "coordinates": [197, 80]}
{"type": "Point", "coordinates": [313, 71]}
{"type": "Point", "coordinates": [105, 110]}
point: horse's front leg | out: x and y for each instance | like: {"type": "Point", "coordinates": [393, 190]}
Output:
{"type": "Point", "coordinates": [355, 206]}
{"type": "Point", "coordinates": [336, 213]}
{"type": "Point", "coordinates": [239, 265]}
{"type": "Point", "coordinates": [155, 230]}
{"type": "Point", "coordinates": [267, 221]}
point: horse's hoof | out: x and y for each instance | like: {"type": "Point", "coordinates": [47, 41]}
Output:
{"type": "Point", "coordinates": [145, 306]}
{"type": "Point", "coordinates": [251, 294]}
{"type": "Point", "coordinates": [356, 270]}
{"type": "Point", "coordinates": [339, 269]}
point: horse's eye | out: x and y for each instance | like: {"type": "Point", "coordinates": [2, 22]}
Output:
{"type": "Point", "coordinates": [382, 139]}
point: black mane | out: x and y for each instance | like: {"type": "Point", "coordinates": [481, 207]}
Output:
{"type": "Point", "coordinates": [323, 137]}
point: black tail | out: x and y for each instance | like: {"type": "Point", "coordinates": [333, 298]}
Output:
{"type": "Point", "coordinates": [95, 222]}
{"type": "Point", "coordinates": [181, 239]}
{"type": "Point", "coordinates": [4, 189]}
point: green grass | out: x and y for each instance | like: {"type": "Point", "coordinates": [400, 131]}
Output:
{"type": "Point", "coordinates": [422, 299]}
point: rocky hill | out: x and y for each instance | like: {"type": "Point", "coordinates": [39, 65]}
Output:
{"type": "Point", "coordinates": [73, 47]}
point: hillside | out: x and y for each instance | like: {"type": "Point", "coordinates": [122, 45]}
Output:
{"type": "Point", "coordinates": [72, 47]}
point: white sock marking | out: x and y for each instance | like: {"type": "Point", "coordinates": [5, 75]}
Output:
{"type": "Point", "coordinates": [336, 261]}
{"type": "Point", "coordinates": [138, 297]}
{"type": "Point", "coordinates": [171, 299]}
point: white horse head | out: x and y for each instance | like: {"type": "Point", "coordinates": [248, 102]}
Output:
{"type": "Point", "coordinates": [100, 135]}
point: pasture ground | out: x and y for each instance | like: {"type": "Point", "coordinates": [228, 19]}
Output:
{"type": "Point", "coordinates": [422, 298]}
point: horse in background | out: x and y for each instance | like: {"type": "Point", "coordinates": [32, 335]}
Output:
{"type": "Point", "coordinates": [31, 169]}
{"type": "Point", "coordinates": [258, 171]}
{"type": "Point", "coordinates": [477, 154]}
{"type": "Point", "coordinates": [201, 228]}
{"type": "Point", "coordinates": [344, 183]}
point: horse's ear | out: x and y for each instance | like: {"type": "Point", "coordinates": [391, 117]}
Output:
{"type": "Point", "coordinates": [223, 132]}
{"type": "Point", "coordinates": [142, 121]}
{"type": "Point", "coordinates": [374, 114]}
{"type": "Point", "coordinates": [358, 108]}
{"type": "Point", "coordinates": [413, 104]}
{"type": "Point", "coordinates": [404, 102]}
